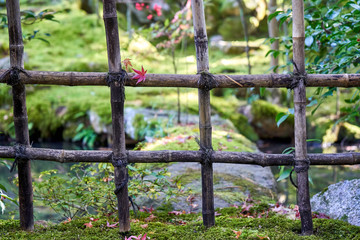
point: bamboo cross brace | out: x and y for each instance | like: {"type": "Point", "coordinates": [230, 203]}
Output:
{"type": "Point", "coordinates": [186, 80]}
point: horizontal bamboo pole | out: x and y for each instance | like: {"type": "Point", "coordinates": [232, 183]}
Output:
{"type": "Point", "coordinates": [188, 81]}
{"type": "Point", "coordinates": [167, 156]}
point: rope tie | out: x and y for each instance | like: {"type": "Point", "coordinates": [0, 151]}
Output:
{"type": "Point", "coordinates": [298, 168]}
{"type": "Point", "coordinates": [12, 76]}
{"type": "Point", "coordinates": [20, 154]}
{"type": "Point", "coordinates": [120, 162]}
{"type": "Point", "coordinates": [118, 77]}
{"type": "Point", "coordinates": [206, 153]}
{"type": "Point", "coordinates": [297, 77]}
{"type": "Point", "coordinates": [207, 81]}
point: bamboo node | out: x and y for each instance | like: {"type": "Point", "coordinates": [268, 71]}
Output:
{"type": "Point", "coordinates": [12, 76]}
{"type": "Point", "coordinates": [207, 81]}
{"type": "Point", "coordinates": [20, 154]}
{"type": "Point", "coordinates": [297, 77]}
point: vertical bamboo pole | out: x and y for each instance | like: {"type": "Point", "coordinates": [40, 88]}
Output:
{"type": "Point", "coordinates": [202, 58]}
{"type": "Point", "coordinates": [303, 197]}
{"type": "Point", "coordinates": [117, 107]}
{"type": "Point", "coordinates": [20, 116]}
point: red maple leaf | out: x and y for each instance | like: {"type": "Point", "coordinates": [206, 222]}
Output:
{"type": "Point", "coordinates": [140, 75]}
{"type": "Point", "coordinates": [88, 225]}
{"type": "Point", "coordinates": [111, 225]}
{"type": "Point", "coordinates": [127, 63]}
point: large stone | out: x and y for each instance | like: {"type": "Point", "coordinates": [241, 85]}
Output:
{"type": "Point", "coordinates": [340, 201]}
{"type": "Point", "coordinates": [263, 116]}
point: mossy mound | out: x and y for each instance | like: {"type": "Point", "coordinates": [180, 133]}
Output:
{"type": "Point", "coordinates": [264, 114]}
{"type": "Point", "coordinates": [230, 223]}
{"type": "Point", "coordinates": [183, 138]}
{"type": "Point", "coordinates": [232, 183]}
{"type": "Point", "coordinates": [349, 131]}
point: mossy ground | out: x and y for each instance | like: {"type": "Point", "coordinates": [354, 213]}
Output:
{"type": "Point", "coordinates": [189, 226]}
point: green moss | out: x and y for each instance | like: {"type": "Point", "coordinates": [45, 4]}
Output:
{"type": "Point", "coordinates": [168, 226]}
{"type": "Point", "coordinates": [323, 191]}
{"type": "Point", "coordinates": [181, 138]}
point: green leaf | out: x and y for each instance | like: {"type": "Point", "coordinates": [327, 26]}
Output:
{"type": "Point", "coordinates": [262, 91]}
{"type": "Point", "coordinates": [313, 140]}
{"type": "Point", "coordinates": [312, 103]}
{"type": "Point", "coordinates": [280, 118]}
{"type": "Point", "coordinates": [132, 168]}
{"type": "Point", "coordinates": [288, 150]}
{"type": "Point", "coordinates": [2, 187]}
{"type": "Point", "coordinates": [285, 174]}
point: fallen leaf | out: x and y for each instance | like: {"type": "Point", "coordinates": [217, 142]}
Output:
{"type": "Point", "coordinates": [260, 237]}
{"type": "Point", "coordinates": [140, 75]}
{"type": "Point", "coordinates": [127, 63]}
{"type": "Point", "coordinates": [94, 219]}
{"type": "Point", "coordinates": [67, 220]}
{"type": "Point", "coordinates": [88, 225]}
{"type": "Point", "coordinates": [144, 226]}
{"type": "Point", "coordinates": [238, 233]}
{"type": "Point", "coordinates": [134, 220]}
{"type": "Point", "coordinates": [177, 212]}
{"type": "Point", "coordinates": [150, 218]}
{"type": "Point", "coordinates": [111, 225]}
{"type": "Point", "coordinates": [217, 214]}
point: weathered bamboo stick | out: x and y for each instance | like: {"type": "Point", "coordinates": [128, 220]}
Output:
{"type": "Point", "coordinates": [20, 115]}
{"type": "Point", "coordinates": [202, 60]}
{"type": "Point", "coordinates": [261, 159]}
{"type": "Point", "coordinates": [301, 164]}
{"type": "Point", "coordinates": [188, 81]}
{"type": "Point", "coordinates": [117, 107]}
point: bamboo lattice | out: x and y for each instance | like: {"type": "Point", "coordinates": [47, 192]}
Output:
{"type": "Point", "coordinates": [117, 78]}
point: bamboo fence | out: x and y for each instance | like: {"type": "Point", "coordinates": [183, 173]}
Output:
{"type": "Point", "coordinates": [117, 79]}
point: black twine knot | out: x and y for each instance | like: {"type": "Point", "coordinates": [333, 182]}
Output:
{"type": "Point", "coordinates": [118, 77]}
{"type": "Point", "coordinates": [207, 81]}
{"type": "Point", "coordinates": [206, 153]}
{"type": "Point", "coordinates": [20, 154]}
{"type": "Point", "coordinates": [120, 162]}
{"type": "Point", "coordinates": [298, 167]}
{"type": "Point", "coordinates": [12, 76]}
{"type": "Point", "coordinates": [297, 77]}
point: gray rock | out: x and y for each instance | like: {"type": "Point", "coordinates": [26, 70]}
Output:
{"type": "Point", "coordinates": [340, 201]}
{"type": "Point", "coordinates": [232, 185]}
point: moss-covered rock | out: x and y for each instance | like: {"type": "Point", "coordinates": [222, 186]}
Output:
{"type": "Point", "coordinates": [263, 121]}
{"type": "Point", "coordinates": [349, 131]}
{"type": "Point", "coordinates": [232, 182]}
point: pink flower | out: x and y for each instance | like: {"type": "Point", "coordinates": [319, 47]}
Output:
{"type": "Point", "coordinates": [149, 17]}
{"type": "Point", "coordinates": [157, 8]}
{"type": "Point", "coordinates": [138, 7]}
